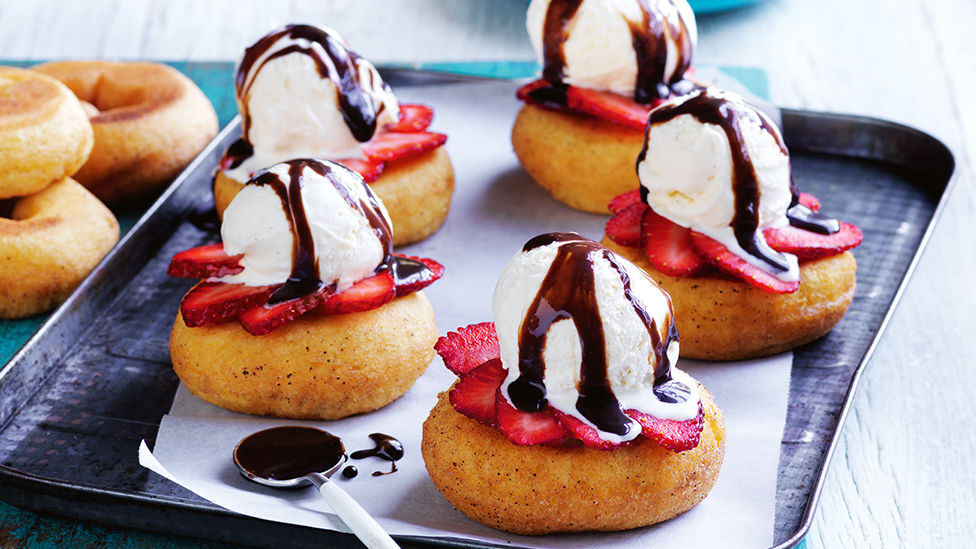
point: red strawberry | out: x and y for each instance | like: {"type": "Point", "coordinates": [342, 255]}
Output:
{"type": "Point", "coordinates": [621, 201]}
{"type": "Point", "coordinates": [388, 146]}
{"type": "Point", "coordinates": [608, 106]}
{"type": "Point", "coordinates": [368, 169]}
{"type": "Point", "coordinates": [204, 262]}
{"type": "Point", "coordinates": [807, 245]}
{"type": "Point", "coordinates": [365, 295]}
{"type": "Point", "coordinates": [266, 318]}
{"type": "Point", "coordinates": [524, 428]}
{"type": "Point", "coordinates": [421, 279]}
{"type": "Point", "coordinates": [474, 394]}
{"type": "Point", "coordinates": [468, 347]}
{"type": "Point", "coordinates": [209, 302]}
{"type": "Point", "coordinates": [524, 93]}
{"type": "Point", "coordinates": [668, 246]}
{"type": "Point", "coordinates": [624, 228]}
{"type": "Point", "coordinates": [413, 118]}
{"type": "Point", "coordinates": [676, 436]}
{"type": "Point", "coordinates": [727, 262]}
{"type": "Point", "coordinates": [809, 201]}
{"type": "Point", "coordinates": [582, 431]}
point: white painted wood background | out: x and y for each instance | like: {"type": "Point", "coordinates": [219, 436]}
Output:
{"type": "Point", "coordinates": [903, 473]}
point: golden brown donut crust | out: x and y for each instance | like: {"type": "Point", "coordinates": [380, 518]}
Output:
{"type": "Point", "coordinates": [45, 134]}
{"type": "Point", "coordinates": [581, 161]}
{"type": "Point", "coordinates": [533, 490]}
{"type": "Point", "coordinates": [315, 367]}
{"type": "Point", "coordinates": [416, 192]}
{"type": "Point", "coordinates": [51, 242]}
{"type": "Point", "coordinates": [722, 318]}
{"type": "Point", "coordinates": [153, 121]}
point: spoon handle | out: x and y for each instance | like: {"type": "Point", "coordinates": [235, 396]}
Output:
{"type": "Point", "coordinates": [356, 518]}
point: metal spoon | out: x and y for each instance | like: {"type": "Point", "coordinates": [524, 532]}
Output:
{"type": "Point", "coordinates": [290, 457]}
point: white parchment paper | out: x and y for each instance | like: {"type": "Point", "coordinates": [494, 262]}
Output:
{"type": "Point", "coordinates": [496, 208]}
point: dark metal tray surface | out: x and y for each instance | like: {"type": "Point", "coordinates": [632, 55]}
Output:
{"type": "Point", "coordinates": [95, 379]}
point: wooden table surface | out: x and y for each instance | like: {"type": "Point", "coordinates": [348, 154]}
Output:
{"type": "Point", "coordinates": [901, 476]}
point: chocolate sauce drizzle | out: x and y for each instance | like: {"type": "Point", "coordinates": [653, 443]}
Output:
{"type": "Point", "coordinates": [709, 108]}
{"type": "Point", "coordinates": [304, 279]}
{"type": "Point", "coordinates": [387, 448]}
{"type": "Point", "coordinates": [284, 453]}
{"type": "Point", "coordinates": [568, 292]}
{"type": "Point", "coordinates": [333, 60]}
{"type": "Point", "coordinates": [650, 45]}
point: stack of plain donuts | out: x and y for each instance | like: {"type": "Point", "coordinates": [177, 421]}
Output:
{"type": "Point", "coordinates": [134, 128]}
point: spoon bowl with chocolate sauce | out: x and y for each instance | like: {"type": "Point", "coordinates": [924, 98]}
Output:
{"type": "Point", "coordinates": [291, 457]}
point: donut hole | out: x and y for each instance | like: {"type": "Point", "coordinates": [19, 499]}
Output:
{"type": "Point", "coordinates": [124, 97]}
{"type": "Point", "coordinates": [7, 208]}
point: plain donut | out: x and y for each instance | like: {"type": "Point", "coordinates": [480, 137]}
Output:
{"type": "Point", "coordinates": [45, 135]}
{"type": "Point", "coordinates": [152, 122]}
{"type": "Point", "coordinates": [50, 243]}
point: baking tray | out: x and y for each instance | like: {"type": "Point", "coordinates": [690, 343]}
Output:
{"type": "Point", "coordinates": [95, 379]}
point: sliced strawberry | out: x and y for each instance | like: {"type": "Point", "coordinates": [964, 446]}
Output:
{"type": "Point", "coordinates": [623, 200]}
{"type": "Point", "coordinates": [365, 295]}
{"type": "Point", "coordinates": [677, 436]}
{"type": "Point", "coordinates": [413, 118]}
{"type": "Point", "coordinates": [608, 106]}
{"type": "Point", "coordinates": [370, 170]}
{"type": "Point", "coordinates": [668, 246]}
{"type": "Point", "coordinates": [468, 347]}
{"type": "Point", "coordinates": [265, 318]}
{"type": "Point", "coordinates": [584, 432]}
{"type": "Point", "coordinates": [525, 428]}
{"type": "Point", "coordinates": [809, 201]}
{"type": "Point", "coordinates": [388, 146]}
{"type": "Point", "coordinates": [807, 245]}
{"type": "Point", "coordinates": [416, 279]}
{"type": "Point", "coordinates": [525, 92]}
{"type": "Point", "coordinates": [209, 302]}
{"type": "Point", "coordinates": [204, 262]}
{"type": "Point", "coordinates": [474, 394]}
{"type": "Point", "coordinates": [624, 228]}
{"type": "Point", "coordinates": [720, 256]}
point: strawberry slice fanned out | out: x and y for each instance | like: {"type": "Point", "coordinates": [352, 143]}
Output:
{"type": "Point", "coordinates": [413, 118]}
{"type": "Point", "coordinates": [468, 347]}
{"type": "Point", "coordinates": [668, 246]}
{"type": "Point", "coordinates": [727, 262]}
{"type": "Point", "coordinates": [621, 201]}
{"type": "Point", "coordinates": [528, 428]}
{"type": "Point", "coordinates": [265, 318]}
{"type": "Point", "coordinates": [809, 201]}
{"type": "Point", "coordinates": [411, 279]}
{"type": "Point", "coordinates": [475, 392]}
{"type": "Point", "coordinates": [388, 146]}
{"type": "Point", "coordinates": [584, 432]}
{"type": "Point", "coordinates": [370, 170]}
{"type": "Point", "coordinates": [807, 245]}
{"type": "Point", "coordinates": [205, 261]}
{"type": "Point", "coordinates": [677, 436]}
{"type": "Point", "coordinates": [365, 295]}
{"type": "Point", "coordinates": [608, 106]}
{"type": "Point", "coordinates": [624, 228]}
{"type": "Point", "coordinates": [210, 302]}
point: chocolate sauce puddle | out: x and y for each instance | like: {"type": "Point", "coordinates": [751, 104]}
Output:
{"type": "Point", "coordinates": [387, 448]}
{"type": "Point", "coordinates": [568, 292]}
{"type": "Point", "coordinates": [285, 453]}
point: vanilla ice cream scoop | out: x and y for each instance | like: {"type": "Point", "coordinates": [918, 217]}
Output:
{"type": "Point", "coordinates": [587, 332]}
{"type": "Point", "coordinates": [306, 223]}
{"type": "Point", "coordinates": [303, 93]}
{"type": "Point", "coordinates": [637, 48]}
{"type": "Point", "coordinates": [715, 164]}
